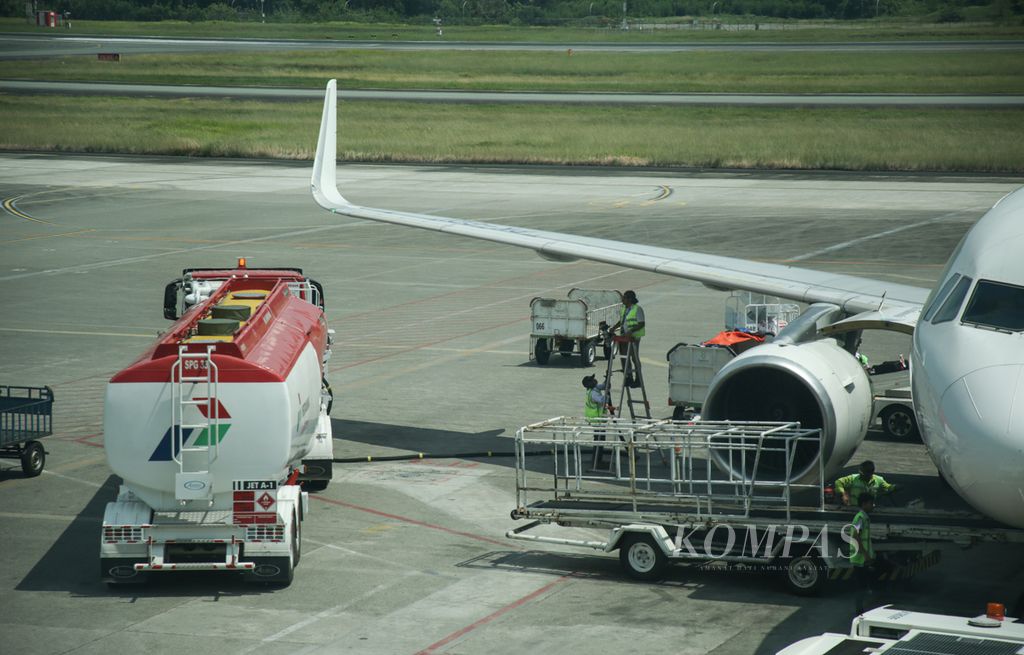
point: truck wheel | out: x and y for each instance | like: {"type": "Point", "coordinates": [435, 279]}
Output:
{"type": "Point", "coordinates": [297, 538]}
{"type": "Point", "coordinates": [33, 457]}
{"type": "Point", "coordinates": [805, 575]}
{"type": "Point", "coordinates": [588, 353]}
{"type": "Point", "coordinates": [898, 422]}
{"type": "Point", "coordinates": [314, 485]}
{"type": "Point", "coordinates": [641, 556]}
{"type": "Point", "coordinates": [542, 351]}
{"type": "Point", "coordinates": [119, 573]}
{"type": "Point", "coordinates": [679, 413]}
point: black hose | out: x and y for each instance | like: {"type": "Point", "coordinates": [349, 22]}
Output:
{"type": "Point", "coordinates": [402, 458]}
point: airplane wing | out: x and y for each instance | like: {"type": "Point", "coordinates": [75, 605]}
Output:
{"type": "Point", "coordinates": [879, 304]}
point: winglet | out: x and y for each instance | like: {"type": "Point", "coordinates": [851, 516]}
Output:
{"type": "Point", "coordinates": [324, 182]}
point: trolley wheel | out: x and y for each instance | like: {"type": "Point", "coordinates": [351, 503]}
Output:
{"type": "Point", "coordinates": [898, 422]}
{"type": "Point", "coordinates": [588, 353]}
{"type": "Point", "coordinates": [805, 575]}
{"type": "Point", "coordinates": [542, 351]}
{"type": "Point", "coordinates": [641, 556]}
{"type": "Point", "coordinates": [33, 457]}
{"type": "Point", "coordinates": [679, 413]}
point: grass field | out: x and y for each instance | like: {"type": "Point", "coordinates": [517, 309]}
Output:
{"type": "Point", "coordinates": [969, 72]}
{"type": "Point", "coordinates": [846, 139]}
{"type": "Point", "coordinates": [783, 31]}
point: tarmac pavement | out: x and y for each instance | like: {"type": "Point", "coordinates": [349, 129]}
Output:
{"type": "Point", "coordinates": [431, 356]}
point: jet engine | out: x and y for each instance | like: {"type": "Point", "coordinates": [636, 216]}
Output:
{"type": "Point", "coordinates": [816, 383]}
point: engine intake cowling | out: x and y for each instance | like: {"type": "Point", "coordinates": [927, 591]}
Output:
{"type": "Point", "coordinates": [816, 383]}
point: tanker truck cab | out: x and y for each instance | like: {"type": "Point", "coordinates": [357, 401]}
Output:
{"type": "Point", "coordinates": [213, 428]}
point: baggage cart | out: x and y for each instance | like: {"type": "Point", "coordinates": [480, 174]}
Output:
{"type": "Point", "coordinates": [26, 414]}
{"type": "Point", "coordinates": [576, 325]}
{"type": "Point", "coordinates": [714, 493]}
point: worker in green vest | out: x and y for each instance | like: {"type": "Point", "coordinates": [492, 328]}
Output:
{"type": "Point", "coordinates": [596, 404]}
{"type": "Point", "coordinates": [852, 486]}
{"type": "Point", "coordinates": [632, 325]}
{"type": "Point", "coordinates": [862, 551]}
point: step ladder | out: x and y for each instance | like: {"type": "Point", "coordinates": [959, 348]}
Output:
{"type": "Point", "coordinates": [632, 382]}
{"type": "Point", "coordinates": [194, 384]}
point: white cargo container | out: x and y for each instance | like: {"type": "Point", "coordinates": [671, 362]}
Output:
{"type": "Point", "coordinates": [577, 324]}
{"type": "Point", "coordinates": [209, 430]}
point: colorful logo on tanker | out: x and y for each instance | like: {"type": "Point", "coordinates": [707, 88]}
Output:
{"type": "Point", "coordinates": [169, 446]}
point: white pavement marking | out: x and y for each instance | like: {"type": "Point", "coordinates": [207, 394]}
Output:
{"type": "Point", "coordinates": [327, 613]}
{"type": "Point", "coordinates": [877, 235]}
{"type": "Point", "coordinates": [79, 480]}
{"type": "Point", "coordinates": [84, 268]}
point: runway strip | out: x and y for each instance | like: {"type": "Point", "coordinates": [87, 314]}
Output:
{"type": "Point", "coordinates": [470, 97]}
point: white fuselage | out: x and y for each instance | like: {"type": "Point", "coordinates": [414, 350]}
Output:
{"type": "Point", "coordinates": [968, 379]}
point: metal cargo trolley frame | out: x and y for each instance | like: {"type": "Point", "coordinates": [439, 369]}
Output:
{"type": "Point", "coordinates": [578, 324]}
{"type": "Point", "coordinates": [675, 491]}
{"type": "Point", "coordinates": [26, 414]}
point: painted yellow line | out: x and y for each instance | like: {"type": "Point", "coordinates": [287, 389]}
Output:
{"type": "Point", "coordinates": [47, 236]}
{"type": "Point", "coordinates": [63, 518]}
{"type": "Point", "coordinates": [88, 334]}
{"type": "Point", "coordinates": [665, 192]}
{"type": "Point", "coordinates": [9, 207]}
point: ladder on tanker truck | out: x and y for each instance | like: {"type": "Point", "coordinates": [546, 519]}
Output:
{"type": "Point", "coordinates": [195, 371]}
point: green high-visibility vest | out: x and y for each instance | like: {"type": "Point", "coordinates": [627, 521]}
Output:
{"type": "Point", "coordinates": [857, 558]}
{"type": "Point", "coordinates": [592, 409]}
{"type": "Point", "coordinates": [628, 320]}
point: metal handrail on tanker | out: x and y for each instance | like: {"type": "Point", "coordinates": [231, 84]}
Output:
{"type": "Point", "coordinates": [691, 482]}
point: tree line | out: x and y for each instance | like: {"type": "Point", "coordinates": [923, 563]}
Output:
{"type": "Point", "coordinates": [516, 12]}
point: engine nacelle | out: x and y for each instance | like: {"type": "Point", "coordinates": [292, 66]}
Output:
{"type": "Point", "coordinates": [816, 383]}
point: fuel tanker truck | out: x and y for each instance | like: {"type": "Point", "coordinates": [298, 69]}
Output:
{"type": "Point", "coordinates": [217, 426]}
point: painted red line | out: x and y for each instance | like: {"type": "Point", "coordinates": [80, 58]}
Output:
{"type": "Point", "coordinates": [422, 524]}
{"type": "Point", "coordinates": [85, 440]}
{"type": "Point", "coordinates": [493, 615]}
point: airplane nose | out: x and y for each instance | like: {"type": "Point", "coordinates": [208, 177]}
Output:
{"type": "Point", "coordinates": [984, 412]}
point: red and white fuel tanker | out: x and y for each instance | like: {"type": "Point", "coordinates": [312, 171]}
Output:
{"type": "Point", "coordinates": [213, 427]}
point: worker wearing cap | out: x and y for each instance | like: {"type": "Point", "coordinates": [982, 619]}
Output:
{"type": "Point", "coordinates": [852, 486]}
{"type": "Point", "coordinates": [631, 324]}
{"type": "Point", "coordinates": [862, 551]}
{"type": "Point", "coordinates": [596, 404]}
{"type": "Point", "coordinates": [631, 318]}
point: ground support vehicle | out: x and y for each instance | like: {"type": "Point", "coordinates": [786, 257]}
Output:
{"type": "Point", "coordinates": [209, 429]}
{"type": "Point", "coordinates": [579, 324]}
{"type": "Point", "coordinates": [894, 409]}
{"type": "Point", "coordinates": [26, 414]}
{"type": "Point", "coordinates": [714, 492]}
{"type": "Point", "coordinates": [900, 632]}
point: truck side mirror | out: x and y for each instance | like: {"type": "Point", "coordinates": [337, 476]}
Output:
{"type": "Point", "coordinates": [171, 299]}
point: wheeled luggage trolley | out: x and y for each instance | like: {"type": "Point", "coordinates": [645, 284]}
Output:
{"type": "Point", "coordinates": [579, 324]}
{"type": "Point", "coordinates": [26, 414]}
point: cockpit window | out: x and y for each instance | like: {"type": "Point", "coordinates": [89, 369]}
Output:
{"type": "Point", "coordinates": [936, 300]}
{"type": "Point", "coordinates": [951, 307]}
{"type": "Point", "coordinates": [996, 305]}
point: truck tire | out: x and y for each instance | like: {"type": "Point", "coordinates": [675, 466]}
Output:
{"type": "Point", "coordinates": [898, 422]}
{"type": "Point", "coordinates": [313, 486]}
{"type": "Point", "coordinates": [679, 413]}
{"type": "Point", "coordinates": [641, 556]}
{"type": "Point", "coordinates": [588, 353]}
{"type": "Point", "coordinates": [805, 575]}
{"type": "Point", "coordinates": [33, 457]}
{"type": "Point", "coordinates": [119, 573]}
{"type": "Point", "coordinates": [542, 352]}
